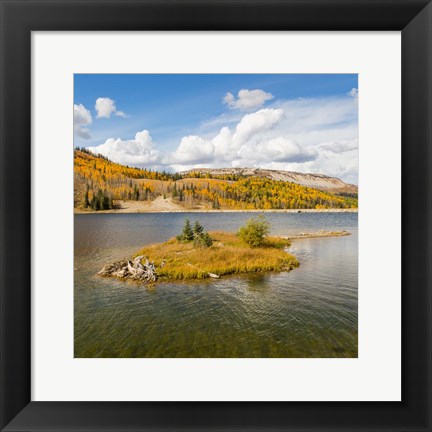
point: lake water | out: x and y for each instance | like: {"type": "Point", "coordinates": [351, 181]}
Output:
{"type": "Point", "coordinates": [308, 312]}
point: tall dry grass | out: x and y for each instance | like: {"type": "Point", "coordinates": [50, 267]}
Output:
{"type": "Point", "coordinates": [228, 255]}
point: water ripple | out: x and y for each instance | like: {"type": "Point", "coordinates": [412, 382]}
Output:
{"type": "Point", "coordinates": [309, 312]}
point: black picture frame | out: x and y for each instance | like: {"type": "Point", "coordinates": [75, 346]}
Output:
{"type": "Point", "coordinates": [19, 18]}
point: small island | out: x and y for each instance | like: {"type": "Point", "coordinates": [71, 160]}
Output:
{"type": "Point", "coordinates": [197, 254]}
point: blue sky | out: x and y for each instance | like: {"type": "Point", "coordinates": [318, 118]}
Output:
{"type": "Point", "coordinates": [177, 122]}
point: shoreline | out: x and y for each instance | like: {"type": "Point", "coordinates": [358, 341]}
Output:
{"type": "Point", "coordinates": [122, 211]}
{"type": "Point", "coordinates": [317, 234]}
{"type": "Point", "coordinates": [168, 205]}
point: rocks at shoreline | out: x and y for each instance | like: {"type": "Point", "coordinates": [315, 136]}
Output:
{"type": "Point", "coordinates": [318, 234]}
{"type": "Point", "coordinates": [131, 269]}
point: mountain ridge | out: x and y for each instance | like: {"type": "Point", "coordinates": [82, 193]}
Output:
{"type": "Point", "coordinates": [100, 184]}
{"type": "Point", "coordinates": [317, 181]}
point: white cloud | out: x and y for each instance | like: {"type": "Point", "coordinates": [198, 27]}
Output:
{"type": "Point", "coordinates": [306, 135]}
{"type": "Point", "coordinates": [252, 124]}
{"type": "Point", "coordinates": [251, 143]}
{"type": "Point", "coordinates": [192, 149]}
{"type": "Point", "coordinates": [105, 107]}
{"type": "Point", "coordinates": [247, 99]}
{"type": "Point", "coordinates": [137, 152]}
{"type": "Point", "coordinates": [286, 150]}
{"type": "Point", "coordinates": [353, 93]}
{"type": "Point", "coordinates": [339, 146]}
{"type": "Point", "coordinates": [82, 118]}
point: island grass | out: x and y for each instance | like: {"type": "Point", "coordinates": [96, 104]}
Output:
{"type": "Point", "coordinates": [227, 255]}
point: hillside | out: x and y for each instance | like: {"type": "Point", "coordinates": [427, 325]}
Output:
{"type": "Point", "coordinates": [317, 181]}
{"type": "Point", "coordinates": [100, 184]}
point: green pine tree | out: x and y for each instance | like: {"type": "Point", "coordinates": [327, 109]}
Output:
{"type": "Point", "coordinates": [203, 241]}
{"type": "Point", "coordinates": [198, 229]}
{"type": "Point", "coordinates": [174, 192]}
{"type": "Point", "coordinates": [187, 234]}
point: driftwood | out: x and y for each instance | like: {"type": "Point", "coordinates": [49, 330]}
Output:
{"type": "Point", "coordinates": [134, 270]}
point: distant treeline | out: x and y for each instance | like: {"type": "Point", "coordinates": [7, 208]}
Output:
{"type": "Point", "coordinates": [100, 182]}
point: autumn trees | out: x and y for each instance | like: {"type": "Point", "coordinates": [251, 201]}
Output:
{"type": "Point", "coordinates": [94, 173]}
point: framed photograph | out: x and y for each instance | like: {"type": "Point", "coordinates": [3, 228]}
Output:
{"type": "Point", "coordinates": [193, 234]}
{"type": "Point", "coordinates": [216, 216]}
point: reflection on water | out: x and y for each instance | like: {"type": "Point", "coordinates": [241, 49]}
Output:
{"type": "Point", "coordinates": [309, 312]}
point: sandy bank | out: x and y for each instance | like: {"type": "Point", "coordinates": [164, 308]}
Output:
{"type": "Point", "coordinates": [318, 234]}
{"type": "Point", "coordinates": [167, 205]}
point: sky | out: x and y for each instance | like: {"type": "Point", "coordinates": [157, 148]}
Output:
{"type": "Point", "coordinates": [293, 122]}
